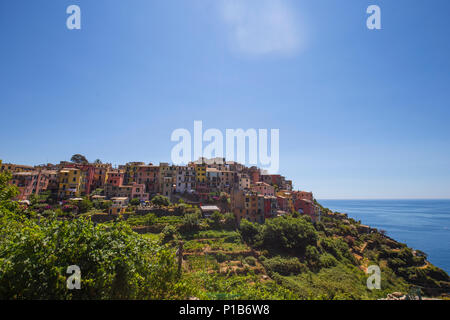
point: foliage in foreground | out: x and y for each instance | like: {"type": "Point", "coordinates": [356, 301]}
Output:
{"type": "Point", "coordinates": [115, 262]}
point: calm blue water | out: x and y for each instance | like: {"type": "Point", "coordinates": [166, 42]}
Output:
{"type": "Point", "coordinates": [421, 224]}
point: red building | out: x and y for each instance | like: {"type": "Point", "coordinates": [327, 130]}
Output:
{"type": "Point", "coordinates": [283, 203]}
{"type": "Point", "coordinates": [305, 206]}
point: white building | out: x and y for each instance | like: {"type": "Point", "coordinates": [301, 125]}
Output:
{"type": "Point", "coordinates": [185, 179]}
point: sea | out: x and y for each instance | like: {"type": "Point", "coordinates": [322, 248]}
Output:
{"type": "Point", "coordinates": [421, 224]}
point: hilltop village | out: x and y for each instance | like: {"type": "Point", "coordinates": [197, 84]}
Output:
{"type": "Point", "coordinates": [208, 230]}
{"type": "Point", "coordinates": [213, 184]}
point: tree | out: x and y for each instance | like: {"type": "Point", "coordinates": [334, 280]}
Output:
{"type": "Point", "coordinates": [169, 233]}
{"type": "Point", "coordinates": [289, 234]}
{"type": "Point", "coordinates": [84, 205]}
{"type": "Point", "coordinates": [249, 231]}
{"type": "Point", "coordinates": [98, 161]}
{"type": "Point", "coordinates": [191, 223]}
{"type": "Point", "coordinates": [230, 220]}
{"type": "Point", "coordinates": [7, 192]}
{"type": "Point", "coordinates": [216, 218]}
{"type": "Point", "coordinates": [161, 201]}
{"type": "Point", "coordinates": [79, 158]}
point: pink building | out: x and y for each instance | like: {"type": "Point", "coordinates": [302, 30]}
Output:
{"type": "Point", "coordinates": [30, 183]}
{"type": "Point", "coordinates": [303, 195]}
{"type": "Point", "coordinates": [263, 189]}
{"type": "Point", "coordinates": [115, 178]}
{"type": "Point", "coordinates": [138, 191]}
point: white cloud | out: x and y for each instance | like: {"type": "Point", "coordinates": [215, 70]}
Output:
{"type": "Point", "coordinates": [262, 27]}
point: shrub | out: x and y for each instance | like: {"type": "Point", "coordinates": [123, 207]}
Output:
{"type": "Point", "coordinates": [312, 254]}
{"type": "Point", "coordinates": [161, 201]}
{"type": "Point", "coordinates": [216, 217]}
{"type": "Point", "coordinates": [48, 213]}
{"type": "Point", "coordinates": [169, 233]}
{"type": "Point", "coordinates": [190, 223]}
{"type": "Point", "coordinates": [135, 202]}
{"type": "Point", "coordinates": [230, 220]}
{"type": "Point", "coordinates": [233, 238]}
{"type": "Point", "coordinates": [84, 205]}
{"type": "Point", "coordinates": [115, 262]}
{"type": "Point", "coordinates": [284, 266]}
{"type": "Point", "coordinates": [250, 260]}
{"type": "Point", "coordinates": [249, 231]}
{"type": "Point", "coordinates": [222, 257]}
{"type": "Point", "coordinates": [327, 260]}
{"type": "Point", "coordinates": [338, 248]}
{"type": "Point", "coordinates": [289, 234]}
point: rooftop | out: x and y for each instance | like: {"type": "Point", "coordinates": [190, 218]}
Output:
{"type": "Point", "coordinates": [209, 208]}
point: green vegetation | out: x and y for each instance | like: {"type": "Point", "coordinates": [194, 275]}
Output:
{"type": "Point", "coordinates": [79, 158]}
{"type": "Point", "coordinates": [116, 263]}
{"type": "Point", "coordinates": [287, 257]}
{"type": "Point", "coordinates": [160, 201]}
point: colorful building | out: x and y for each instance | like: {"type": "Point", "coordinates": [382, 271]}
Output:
{"type": "Point", "coordinates": [10, 167]}
{"type": "Point", "coordinates": [100, 175]}
{"type": "Point", "coordinates": [119, 205]}
{"type": "Point", "coordinates": [71, 182]}
{"type": "Point", "coordinates": [248, 205]}
{"type": "Point", "coordinates": [29, 182]}
{"type": "Point", "coordinates": [115, 177]}
{"type": "Point", "coordinates": [263, 189]}
{"type": "Point", "coordinates": [149, 176]}
{"type": "Point", "coordinates": [186, 179]}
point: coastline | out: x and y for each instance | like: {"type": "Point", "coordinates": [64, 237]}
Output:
{"type": "Point", "coordinates": [416, 222]}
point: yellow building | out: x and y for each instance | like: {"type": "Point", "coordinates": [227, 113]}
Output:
{"type": "Point", "coordinates": [71, 182]}
{"type": "Point", "coordinates": [119, 205]}
{"type": "Point", "coordinates": [167, 177]}
{"type": "Point", "coordinates": [131, 169]}
{"type": "Point", "coordinates": [200, 173]}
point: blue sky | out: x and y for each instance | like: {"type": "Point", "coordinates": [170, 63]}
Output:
{"type": "Point", "coordinates": [361, 113]}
